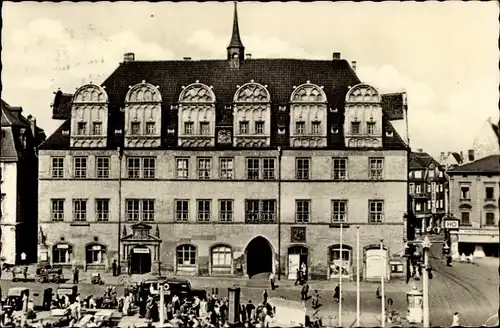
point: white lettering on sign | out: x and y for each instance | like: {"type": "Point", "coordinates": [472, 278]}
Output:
{"type": "Point", "coordinates": [62, 246]}
{"type": "Point", "coordinates": [96, 248]}
{"type": "Point", "coordinates": [451, 224]}
{"type": "Point", "coordinates": [141, 250]}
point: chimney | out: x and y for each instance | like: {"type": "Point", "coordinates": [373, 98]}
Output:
{"type": "Point", "coordinates": [336, 56]}
{"type": "Point", "coordinates": [186, 58]}
{"type": "Point", "coordinates": [128, 57]}
{"type": "Point", "coordinates": [420, 150]}
{"type": "Point", "coordinates": [442, 157]}
{"type": "Point", "coordinates": [471, 155]}
{"type": "Point", "coordinates": [32, 124]}
{"type": "Point", "coordinates": [249, 56]}
{"type": "Point", "coordinates": [353, 65]}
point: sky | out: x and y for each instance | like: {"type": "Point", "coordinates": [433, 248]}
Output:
{"type": "Point", "coordinates": [443, 54]}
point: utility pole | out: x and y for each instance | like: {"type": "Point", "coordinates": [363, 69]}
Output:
{"type": "Point", "coordinates": [426, 245]}
{"type": "Point", "coordinates": [382, 282]}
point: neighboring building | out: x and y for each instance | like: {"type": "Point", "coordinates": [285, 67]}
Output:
{"type": "Point", "coordinates": [18, 185]}
{"type": "Point", "coordinates": [474, 200]}
{"type": "Point", "coordinates": [451, 159]}
{"type": "Point", "coordinates": [225, 167]}
{"type": "Point", "coordinates": [428, 190]}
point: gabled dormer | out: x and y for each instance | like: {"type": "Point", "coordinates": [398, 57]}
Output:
{"type": "Point", "coordinates": [143, 116]}
{"type": "Point", "coordinates": [89, 117]}
{"type": "Point", "coordinates": [196, 116]}
{"type": "Point", "coordinates": [252, 116]}
{"type": "Point", "coordinates": [308, 109]}
{"type": "Point", "coordinates": [363, 117]}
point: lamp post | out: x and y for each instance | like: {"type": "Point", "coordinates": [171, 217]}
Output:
{"type": "Point", "coordinates": [426, 245]}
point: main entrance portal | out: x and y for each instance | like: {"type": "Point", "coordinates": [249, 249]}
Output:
{"type": "Point", "coordinates": [259, 256]}
{"type": "Point", "coordinates": [140, 260]}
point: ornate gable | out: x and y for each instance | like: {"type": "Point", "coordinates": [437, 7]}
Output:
{"type": "Point", "coordinates": [308, 116]}
{"type": "Point", "coordinates": [252, 116]}
{"type": "Point", "coordinates": [143, 116]}
{"type": "Point", "coordinates": [363, 126]}
{"type": "Point", "coordinates": [89, 117]}
{"type": "Point", "coordinates": [196, 117]}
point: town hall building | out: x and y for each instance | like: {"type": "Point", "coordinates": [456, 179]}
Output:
{"type": "Point", "coordinates": [235, 166]}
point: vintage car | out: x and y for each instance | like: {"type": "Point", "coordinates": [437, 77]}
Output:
{"type": "Point", "coordinates": [47, 273]}
{"type": "Point", "coordinates": [15, 298]}
{"type": "Point", "coordinates": [175, 286]}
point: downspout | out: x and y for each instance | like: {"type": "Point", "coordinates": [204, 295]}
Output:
{"type": "Point", "coordinates": [279, 212]}
{"type": "Point", "coordinates": [120, 156]}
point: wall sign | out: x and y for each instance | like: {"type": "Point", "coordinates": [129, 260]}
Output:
{"type": "Point", "coordinates": [452, 224]}
{"type": "Point", "coordinates": [141, 250]}
{"type": "Point", "coordinates": [298, 235]}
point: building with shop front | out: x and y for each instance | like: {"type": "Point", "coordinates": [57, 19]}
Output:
{"type": "Point", "coordinates": [428, 189]}
{"type": "Point", "coordinates": [18, 185]}
{"type": "Point", "coordinates": [474, 200]}
{"type": "Point", "coordinates": [237, 166]}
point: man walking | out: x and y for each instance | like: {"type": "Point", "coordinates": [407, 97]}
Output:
{"type": "Point", "coordinates": [115, 268]}
{"type": "Point", "coordinates": [76, 273]}
{"type": "Point", "coordinates": [271, 280]}
{"type": "Point", "coordinates": [304, 292]}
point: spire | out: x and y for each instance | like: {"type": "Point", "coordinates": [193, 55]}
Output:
{"type": "Point", "coordinates": [235, 38]}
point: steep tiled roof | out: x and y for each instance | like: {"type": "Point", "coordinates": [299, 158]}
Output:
{"type": "Point", "coordinates": [8, 151]}
{"type": "Point", "coordinates": [489, 164]}
{"type": "Point", "coordinates": [421, 160]}
{"type": "Point", "coordinates": [61, 108]}
{"type": "Point", "coordinates": [394, 105]}
{"type": "Point", "coordinates": [9, 118]}
{"type": "Point", "coordinates": [279, 75]}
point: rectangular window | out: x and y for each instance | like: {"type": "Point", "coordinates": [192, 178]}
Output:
{"type": "Point", "coordinates": [355, 127]}
{"type": "Point", "coordinates": [136, 128]}
{"type": "Point", "coordinates": [376, 208]}
{"type": "Point", "coordinates": [244, 127]}
{"type": "Point", "coordinates": [412, 188]}
{"type": "Point", "coordinates": [102, 167]}
{"type": "Point", "coordinates": [428, 188]}
{"type": "Point", "coordinates": [465, 218]}
{"type": "Point", "coordinates": [268, 168]}
{"type": "Point", "coordinates": [316, 127]}
{"type": "Point", "coordinates": [259, 127]}
{"type": "Point", "coordinates": [132, 209]}
{"type": "Point", "coordinates": [204, 168]}
{"type": "Point", "coordinates": [370, 127]}
{"type": "Point", "coordinates": [134, 168]}
{"type": "Point", "coordinates": [441, 203]}
{"type": "Point", "coordinates": [80, 210]}
{"type": "Point", "coordinates": [204, 128]}
{"type": "Point", "coordinates": [82, 128]}
{"type": "Point", "coordinates": [418, 189]}
{"type": "Point", "coordinates": [260, 211]}
{"type": "Point", "coordinates": [339, 211]}
{"type": "Point", "coordinates": [253, 168]}
{"type": "Point", "coordinates": [418, 206]}
{"type": "Point", "coordinates": [150, 128]}
{"type": "Point", "coordinates": [80, 167]}
{"type": "Point", "coordinates": [149, 165]}
{"type": "Point", "coordinates": [102, 210]}
{"type": "Point", "coordinates": [340, 168]}
{"type": "Point", "coordinates": [182, 168]}
{"type": "Point", "coordinates": [58, 167]}
{"type": "Point", "coordinates": [203, 209]}
{"type": "Point", "coordinates": [226, 168]}
{"type": "Point", "coordinates": [490, 193]}
{"type": "Point", "coordinates": [226, 210]}
{"type": "Point", "coordinates": [57, 209]}
{"type": "Point", "coordinates": [376, 168]}
{"type": "Point", "coordinates": [490, 219]}
{"type": "Point", "coordinates": [302, 211]}
{"type": "Point", "coordinates": [148, 210]}
{"type": "Point", "coordinates": [418, 174]}
{"type": "Point", "coordinates": [181, 210]}
{"type": "Point", "coordinates": [97, 128]}
{"type": "Point", "coordinates": [300, 128]}
{"type": "Point", "coordinates": [431, 174]}
{"type": "Point", "coordinates": [302, 168]}
{"type": "Point", "coordinates": [464, 192]}
{"type": "Point", "coordinates": [188, 128]}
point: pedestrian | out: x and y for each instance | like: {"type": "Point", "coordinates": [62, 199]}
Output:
{"type": "Point", "coordinates": [297, 278]}
{"type": "Point", "coordinates": [456, 320]}
{"type": "Point", "coordinates": [449, 258]}
{"type": "Point", "coordinates": [25, 273]}
{"type": "Point", "coordinates": [75, 275]}
{"type": "Point", "coordinates": [304, 292]}
{"type": "Point", "coordinates": [264, 295]}
{"type": "Point", "coordinates": [303, 269]}
{"type": "Point", "coordinates": [250, 308]}
{"type": "Point", "coordinates": [336, 293]}
{"type": "Point", "coordinates": [271, 280]}
{"type": "Point", "coordinates": [315, 300]}
{"type": "Point", "coordinates": [115, 268]}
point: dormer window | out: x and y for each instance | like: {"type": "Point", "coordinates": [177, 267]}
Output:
{"type": "Point", "coordinates": [136, 128]}
{"type": "Point", "coordinates": [188, 128]}
{"type": "Point", "coordinates": [82, 128]}
{"type": "Point", "coordinates": [150, 128]}
{"type": "Point", "coordinates": [316, 127]}
{"type": "Point", "coordinates": [259, 127]}
{"type": "Point", "coordinates": [370, 127]}
{"type": "Point", "coordinates": [300, 128]}
{"type": "Point", "coordinates": [97, 128]}
{"type": "Point", "coordinates": [244, 127]}
{"type": "Point", "coordinates": [204, 128]}
{"type": "Point", "coordinates": [355, 127]}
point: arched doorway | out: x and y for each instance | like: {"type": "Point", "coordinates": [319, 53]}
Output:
{"type": "Point", "coordinates": [140, 260]}
{"type": "Point", "coordinates": [259, 256]}
{"type": "Point", "coordinates": [296, 256]}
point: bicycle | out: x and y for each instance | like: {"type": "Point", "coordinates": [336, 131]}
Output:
{"type": "Point", "coordinates": [391, 316]}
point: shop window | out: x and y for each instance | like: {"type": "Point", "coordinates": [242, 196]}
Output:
{"type": "Point", "coordinates": [62, 254]}
{"type": "Point", "coordinates": [186, 255]}
{"type": "Point", "coordinates": [95, 254]}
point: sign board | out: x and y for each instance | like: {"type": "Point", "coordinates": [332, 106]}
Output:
{"type": "Point", "coordinates": [452, 224]}
{"type": "Point", "coordinates": [96, 248]}
{"type": "Point", "coordinates": [141, 250]}
{"type": "Point", "coordinates": [63, 246]}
